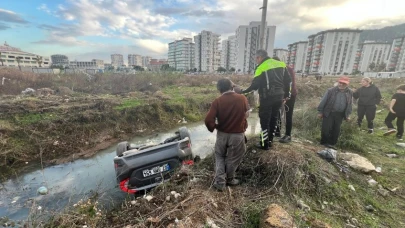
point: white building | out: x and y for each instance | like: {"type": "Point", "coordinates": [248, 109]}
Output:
{"type": "Point", "coordinates": [281, 53]}
{"type": "Point", "coordinates": [117, 60]}
{"type": "Point", "coordinates": [207, 56]}
{"type": "Point", "coordinates": [94, 64]}
{"type": "Point", "coordinates": [332, 51]}
{"type": "Point", "coordinates": [228, 53]}
{"type": "Point", "coordinates": [134, 60]}
{"type": "Point", "coordinates": [60, 60]}
{"type": "Point", "coordinates": [397, 55]}
{"type": "Point", "coordinates": [248, 42]}
{"type": "Point", "coordinates": [146, 60]}
{"type": "Point", "coordinates": [14, 57]}
{"type": "Point", "coordinates": [181, 54]}
{"type": "Point", "coordinates": [297, 53]}
{"type": "Point", "coordinates": [371, 52]}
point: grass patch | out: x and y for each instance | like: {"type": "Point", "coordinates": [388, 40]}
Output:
{"type": "Point", "coordinates": [33, 118]}
{"type": "Point", "coordinates": [129, 103]}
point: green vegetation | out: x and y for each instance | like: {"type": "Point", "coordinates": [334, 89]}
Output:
{"type": "Point", "coordinates": [127, 104]}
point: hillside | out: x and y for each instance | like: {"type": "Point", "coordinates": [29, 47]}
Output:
{"type": "Point", "coordinates": [383, 34]}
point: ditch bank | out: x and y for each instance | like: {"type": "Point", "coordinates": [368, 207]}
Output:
{"type": "Point", "coordinates": [55, 129]}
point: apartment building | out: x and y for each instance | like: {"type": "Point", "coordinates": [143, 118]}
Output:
{"type": "Point", "coordinates": [156, 64]}
{"type": "Point", "coordinates": [117, 60]}
{"type": "Point", "coordinates": [146, 60]}
{"type": "Point", "coordinates": [14, 57]}
{"type": "Point", "coordinates": [332, 51]}
{"type": "Point", "coordinates": [371, 52]}
{"type": "Point", "coordinates": [247, 42]}
{"type": "Point", "coordinates": [281, 53]}
{"type": "Point", "coordinates": [228, 53]}
{"type": "Point", "coordinates": [297, 53]}
{"type": "Point", "coordinates": [397, 55]}
{"type": "Point", "coordinates": [135, 60]}
{"type": "Point", "coordinates": [59, 60]}
{"type": "Point", "coordinates": [181, 54]}
{"type": "Point", "coordinates": [206, 52]}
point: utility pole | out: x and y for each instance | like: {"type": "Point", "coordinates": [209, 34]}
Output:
{"type": "Point", "coordinates": [263, 25]}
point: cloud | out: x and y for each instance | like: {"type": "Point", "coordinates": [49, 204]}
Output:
{"type": "Point", "coordinates": [10, 16]}
{"type": "Point", "coordinates": [3, 26]}
{"type": "Point", "coordinates": [44, 7]}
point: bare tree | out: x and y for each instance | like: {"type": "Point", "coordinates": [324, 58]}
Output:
{"type": "Point", "coordinates": [39, 60]}
{"type": "Point", "coordinates": [19, 61]}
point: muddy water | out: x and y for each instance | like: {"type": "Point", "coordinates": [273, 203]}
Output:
{"type": "Point", "coordinates": [70, 182]}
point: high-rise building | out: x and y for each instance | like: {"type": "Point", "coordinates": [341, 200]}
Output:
{"type": "Point", "coordinates": [281, 53]}
{"type": "Point", "coordinates": [134, 60]}
{"type": "Point", "coordinates": [117, 60]}
{"type": "Point", "coordinates": [181, 54]}
{"type": "Point", "coordinates": [14, 57]}
{"type": "Point", "coordinates": [332, 51]}
{"type": "Point", "coordinates": [397, 55]}
{"type": "Point", "coordinates": [146, 60]}
{"type": "Point", "coordinates": [248, 42]}
{"type": "Point", "coordinates": [60, 60]}
{"type": "Point", "coordinates": [207, 56]}
{"type": "Point", "coordinates": [228, 53]}
{"type": "Point", "coordinates": [371, 53]}
{"type": "Point", "coordinates": [297, 53]}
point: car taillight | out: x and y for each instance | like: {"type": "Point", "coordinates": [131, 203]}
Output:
{"type": "Point", "coordinates": [124, 186]}
{"type": "Point", "coordinates": [188, 162]}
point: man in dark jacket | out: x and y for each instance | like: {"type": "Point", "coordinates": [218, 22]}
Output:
{"type": "Point", "coordinates": [368, 97]}
{"type": "Point", "coordinates": [273, 82]}
{"type": "Point", "coordinates": [335, 106]}
{"type": "Point", "coordinates": [289, 109]}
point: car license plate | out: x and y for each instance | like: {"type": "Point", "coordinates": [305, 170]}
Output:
{"type": "Point", "coordinates": [155, 170]}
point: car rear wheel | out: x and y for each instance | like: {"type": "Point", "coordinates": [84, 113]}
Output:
{"type": "Point", "coordinates": [184, 132]}
{"type": "Point", "coordinates": [121, 148]}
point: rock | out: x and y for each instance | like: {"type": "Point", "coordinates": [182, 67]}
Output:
{"type": "Point", "coordinates": [372, 182]}
{"type": "Point", "coordinates": [177, 195]}
{"type": "Point", "coordinates": [348, 225]}
{"type": "Point", "coordinates": [358, 162]}
{"type": "Point", "coordinates": [44, 92]}
{"type": "Point", "coordinates": [319, 224]}
{"type": "Point", "coordinates": [133, 202]}
{"type": "Point", "coordinates": [211, 223]}
{"type": "Point", "coordinates": [28, 91]}
{"type": "Point", "coordinates": [276, 217]}
{"type": "Point", "coordinates": [351, 187]}
{"type": "Point", "coordinates": [370, 208]}
{"type": "Point", "coordinates": [382, 191]}
{"type": "Point", "coordinates": [354, 221]}
{"type": "Point", "coordinates": [167, 198]}
{"type": "Point", "coordinates": [173, 192]}
{"type": "Point", "coordinates": [328, 154]}
{"type": "Point", "coordinates": [148, 198]}
{"type": "Point", "coordinates": [401, 145]}
{"type": "Point", "coordinates": [43, 190]}
{"type": "Point", "coordinates": [378, 169]}
{"type": "Point", "coordinates": [303, 206]}
{"type": "Point", "coordinates": [392, 155]}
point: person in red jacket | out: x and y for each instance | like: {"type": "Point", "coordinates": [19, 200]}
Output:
{"type": "Point", "coordinates": [228, 115]}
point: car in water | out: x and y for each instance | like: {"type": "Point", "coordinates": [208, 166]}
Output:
{"type": "Point", "coordinates": [141, 167]}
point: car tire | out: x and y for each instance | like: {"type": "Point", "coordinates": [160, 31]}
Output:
{"type": "Point", "coordinates": [121, 148]}
{"type": "Point", "coordinates": [184, 132]}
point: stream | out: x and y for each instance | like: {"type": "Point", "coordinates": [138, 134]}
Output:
{"type": "Point", "coordinates": [70, 182]}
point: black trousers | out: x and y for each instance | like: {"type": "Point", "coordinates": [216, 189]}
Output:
{"type": "Point", "coordinates": [268, 114]}
{"type": "Point", "coordinates": [289, 110]}
{"type": "Point", "coordinates": [369, 112]}
{"type": "Point", "coordinates": [331, 128]}
{"type": "Point", "coordinates": [400, 123]}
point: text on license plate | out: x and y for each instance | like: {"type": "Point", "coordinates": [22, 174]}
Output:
{"type": "Point", "coordinates": [155, 170]}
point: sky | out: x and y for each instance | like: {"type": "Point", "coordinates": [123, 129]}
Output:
{"type": "Point", "coordinates": [95, 29]}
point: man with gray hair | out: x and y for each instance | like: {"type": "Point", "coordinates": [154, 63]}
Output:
{"type": "Point", "coordinates": [228, 115]}
{"type": "Point", "coordinates": [274, 84]}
